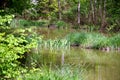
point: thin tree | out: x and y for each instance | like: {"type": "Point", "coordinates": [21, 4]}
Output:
{"type": "Point", "coordinates": [79, 12]}
{"type": "Point", "coordinates": [92, 10]}
{"type": "Point", "coordinates": [59, 10]}
{"type": "Point", "coordinates": [103, 17]}
{"type": "Point", "coordinates": [95, 11]}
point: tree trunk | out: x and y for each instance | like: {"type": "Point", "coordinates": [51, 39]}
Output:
{"type": "Point", "coordinates": [100, 9]}
{"type": "Point", "coordinates": [92, 11]}
{"type": "Point", "coordinates": [59, 12]}
{"type": "Point", "coordinates": [103, 18]}
{"type": "Point", "coordinates": [89, 14]}
{"type": "Point", "coordinates": [79, 12]}
{"type": "Point", "coordinates": [95, 11]}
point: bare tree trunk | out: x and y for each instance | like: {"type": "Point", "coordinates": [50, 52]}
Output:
{"type": "Point", "coordinates": [49, 3]}
{"type": "Point", "coordinates": [65, 5]}
{"type": "Point", "coordinates": [59, 12]}
{"type": "Point", "coordinates": [92, 10]}
{"type": "Point", "coordinates": [95, 11]}
{"type": "Point", "coordinates": [100, 9]}
{"type": "Point", "coordinates": [103, 18]}
{"type": "Point", "coordinates": [89, 14]}
{"type": "Point", "coordinates": [79, 12]}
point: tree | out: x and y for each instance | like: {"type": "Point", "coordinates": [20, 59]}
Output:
{"type": "Point", "coordinates": [103, 17]}
{"type": "Point", "coordinates": [79, 12]}
{"type": "Point", "coordinates": [59, 10]}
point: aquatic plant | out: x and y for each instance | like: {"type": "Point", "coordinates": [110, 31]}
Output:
{"type": "Point", "coordinates": [94, 40]}
{"type": "Point", "coordinates": [76, 38]}
{"type": "Point", "coordinates": [55, 44]}
{"type": "Point", "coordinates": [64, 73]}
{"type": "Point", "coordinates": [115, 41]}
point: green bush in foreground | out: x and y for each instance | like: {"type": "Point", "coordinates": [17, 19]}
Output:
{"type": "Point", "coordinates": [12, 49]}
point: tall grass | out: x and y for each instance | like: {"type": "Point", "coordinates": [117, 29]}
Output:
{"type": "Point", "coordinates": [94, 40]}
{"type": "Point", "coordinates": [55, 44]}
{"type": "Point", "coordinates": [115, 41]}
{"type": "Point", "coordinates": [64, 73]}
{"type": "Point", "coordinates": [27, 23]}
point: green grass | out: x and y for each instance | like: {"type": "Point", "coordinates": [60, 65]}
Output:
{"type": "Point", "coordinates": [28, 23]}
{"type": "Point", "coordinates": [45, 73]}
{"type": "Point", "coordinates": [61, 24]}
{"type": "Point", "coordinates": [55, 44]}
{"type": "Point", "coordinates": [115, 41]}
{"type": "Point", "coordinates": [94, 40]}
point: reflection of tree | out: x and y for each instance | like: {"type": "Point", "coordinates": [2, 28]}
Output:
{"type": "Point", "coordinates": [62, 59]}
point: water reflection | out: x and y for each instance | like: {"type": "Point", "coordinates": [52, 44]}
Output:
{"type": "Point", "coordinates": [98, 64]}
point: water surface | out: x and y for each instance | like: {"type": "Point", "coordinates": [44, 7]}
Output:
{"type": "Point", "coordinates": [99, 65]}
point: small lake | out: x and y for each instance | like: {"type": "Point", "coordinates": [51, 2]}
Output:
{"type": "Point", "coordinates": [99, 65]}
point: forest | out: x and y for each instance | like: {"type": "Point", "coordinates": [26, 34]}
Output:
{"type": "Point", "coordinates": [59, 39]}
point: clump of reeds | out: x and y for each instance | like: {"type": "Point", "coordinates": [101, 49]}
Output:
{"type": "Point", "coordinates": [64, 73]}
{"type": "Point", "coordinates": [55, 44]}
{"type": "Point", "coordinates": [94, 40]}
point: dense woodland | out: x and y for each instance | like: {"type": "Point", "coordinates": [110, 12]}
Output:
{"type": "Point", "coordinates": [102, 13]}
{"type": "Point", "coordinates": [25, 24]}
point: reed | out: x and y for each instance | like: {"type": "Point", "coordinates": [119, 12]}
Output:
{"type": "Point", "coordinates": [64, 73]}
{"type": "Point", "coordinates": [55, 44]}
{"type": "Point", "coordinates": [94, 40]}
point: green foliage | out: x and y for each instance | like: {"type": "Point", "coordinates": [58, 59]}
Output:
{"type": "Point", "coordinates": [18, 6]}
{"type": "Point", "coordinates": [76, 38]}
{"type": "Point", "coordinates": [70, 14]}
{"type": "Point", "coordinates": [45, 73]}
{"type": "Point", "coordinates": [12, 48]}
{"type": "Point", "coordinates": [55, 44]}
{"type": "Point", "coordinates": [61, 24]}
{"type": "Point", "coordinates": [28, 23]}
{"type": "Point", "coordinates": [94, 40]}
{"type": "Point", "coordinates": [47, 8]}
{"type": "Point", "coordinates": [5, 20]}
{"type": "Point", "coordinates": [115, 41]}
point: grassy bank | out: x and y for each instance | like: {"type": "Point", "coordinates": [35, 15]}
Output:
{"type": "Point", "coordinates": [94, 40]}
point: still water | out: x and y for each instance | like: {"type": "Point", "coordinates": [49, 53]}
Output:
{"type": "Point", "coordinates": [99, 65]}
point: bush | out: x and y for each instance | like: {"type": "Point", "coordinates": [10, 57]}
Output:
{"type": "Point", "coordinates": [12, 48]}
{"type": "Point", "coordinates": [61, 24]}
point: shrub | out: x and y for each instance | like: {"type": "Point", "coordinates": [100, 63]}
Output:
{"type": "Point", "coordinates": [61, 24]}
{"type": "Point", "coordinates": [12, 48]}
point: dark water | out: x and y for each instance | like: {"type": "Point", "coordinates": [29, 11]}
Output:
{"type": "Point", "coordinates": [99, 65]}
